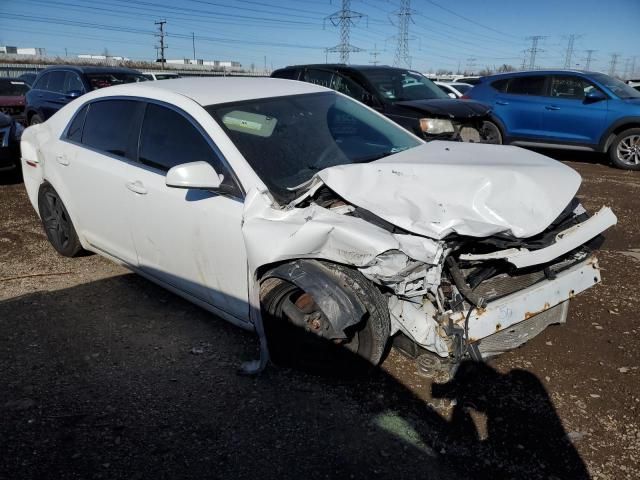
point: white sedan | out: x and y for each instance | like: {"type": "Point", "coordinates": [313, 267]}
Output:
{"type": "Point", "coordinates": [292, 210]}
{"type": "Point", "coordinates": [454, 90]}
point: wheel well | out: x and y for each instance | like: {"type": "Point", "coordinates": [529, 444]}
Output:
{"type": "Point", "coordinates": [616, 131]}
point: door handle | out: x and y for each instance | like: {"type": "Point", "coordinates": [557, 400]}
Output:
{"type": "Point", "coordinates": [552, 107]}
{"type": "Point", "coordinates": [62, 159]}
{"type": "Point", "coordinates": [502, 102]}
{"type": "Point", "coordinates": [136, 187]}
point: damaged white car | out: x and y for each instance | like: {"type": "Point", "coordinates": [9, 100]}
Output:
{"type": "Point", "coordinates": [266, 199]}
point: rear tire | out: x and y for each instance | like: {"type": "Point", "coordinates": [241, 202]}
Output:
{"type": "Point", "coordinates": [294, 346]}
{"type": "Point", "coordinates": [35, 119]}
{"type": "Point", "coordinates": [57, 223]}
{"type": "Point", "coordinates": [625, 150]}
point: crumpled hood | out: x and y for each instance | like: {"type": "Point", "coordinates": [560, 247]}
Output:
{"type": "Point", "coordinates": [471, 189]}
{"type": "Point", "coordinates": [448, 107]}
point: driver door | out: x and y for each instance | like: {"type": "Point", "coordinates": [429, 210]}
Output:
{"type": "Point", "coordinates": [190, 239]}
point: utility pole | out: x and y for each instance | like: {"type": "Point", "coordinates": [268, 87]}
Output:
{"type": "Point", "coordinates": [534, 50]}
{"type": "Point", "coordinates": [375, 54]}
{"type": "Point", "coordinates": [404, 13]}
{"type": "Point", "coordinates": [569, 52]}
{"type": "Point", "coordinates": [613, 64]}
{"type": "Point", "coordinates": [265, 64]}
{"type": "Point", "coordinates": [161, 35]}
{"type": "Point", "coordinates": [193, 42]}
{"type": "Point", "coordinates": [65, 52]}
{"type": "Point", "coordinates": [633, 68]}
{"type": "Point", "coordinates": [589, 59]}
{"type": "Point", "coordinates": [344, 18]}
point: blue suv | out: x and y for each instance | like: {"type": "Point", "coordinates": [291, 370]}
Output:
{"type": "Point", "coordinates": [565, 109]}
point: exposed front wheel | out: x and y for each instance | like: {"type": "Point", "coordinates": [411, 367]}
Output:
{"type": "Point", "coordinates": [491, 133]}
{"type": "Point", "coordinates": [294, 325]}
{"type": "Point", "coordinates": [625, 150]}
{"type": "Point", "coordinates": [57, 224]}
{"type": "Point", "coordinates": [35, 119]}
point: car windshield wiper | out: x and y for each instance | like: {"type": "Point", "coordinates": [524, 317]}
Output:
{"type": "Point", "coordinates": [378, 156]}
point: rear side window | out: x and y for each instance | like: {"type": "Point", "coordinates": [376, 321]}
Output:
{"type": "Point", "coordinates": [42, 82]}
{"type": "Point", "coordinates": [56, 82]}
{"type": "Point", "coordinates": [109, 124]}
{"type": "Point", "coordinates": [74, 132]}
{"type": "Point", "coordinates": [501, 85]}
{"type": "Point", "coordinates": [527, 85]}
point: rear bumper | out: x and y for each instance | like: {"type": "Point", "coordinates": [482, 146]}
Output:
{"type": "Point", "coordinates": [524, 305]}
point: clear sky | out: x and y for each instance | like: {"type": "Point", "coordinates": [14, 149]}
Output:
{"type": "Point", "coordinates": [443, 33]}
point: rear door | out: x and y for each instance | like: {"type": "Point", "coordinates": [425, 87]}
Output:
{"type": "Point", "coordinates": [95, 165]}
{"type": "Point", "coordinates": [567, 117]}
{"type": "Point", "coordinates": [521, 105]}
{"type": "Point", "coordinates": [188, 238]}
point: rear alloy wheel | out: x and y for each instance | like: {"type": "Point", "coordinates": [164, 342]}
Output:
{"type": "Point", "coordinates": [491, 133]}
{"type": "Point", "coordinates": [35, 120]}
{"type": "Point", "coordinates": [57, 223]}
{"type": "Point", "coordinates": [625, 150]}
{"type": "Point", "coordinates": [294, 325]}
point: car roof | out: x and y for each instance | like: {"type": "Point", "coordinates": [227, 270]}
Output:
{"type": "Point", "coordinates": [90, 69]}
{"type": "Point", "coordinates": [538, 72]}
{"type": "Point", "coordinates": [348, 67]}
{"type": "Point", "coordinates": [217, 90]}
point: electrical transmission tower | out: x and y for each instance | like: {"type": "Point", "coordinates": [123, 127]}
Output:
{"type": "Point", "coordinates": [162, 45]}
{"type": "Point", "coordinates": [633, 68]}
{"type": "Point", "coordinates": [569, 52]}
{"type": "Point", "coordinates": [613, 64]}
{"type": "Point", "coordinates": [374, 55]}
{"type": "Point", "coordinates": [589, 59]}
{"type": "Point", "coordinates": [404, 13]}
{"type": "Point", "coordinates": [534, 50]}
{"type": "Point", "coordinates": [345, 19]}
{"type": "Point", "coordinates": [471, 65]}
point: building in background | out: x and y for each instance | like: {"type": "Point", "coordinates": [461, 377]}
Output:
{"type": "Point", "coordinates": [40, 52]}
{"type": "Point", "coordinates": [221, 64]}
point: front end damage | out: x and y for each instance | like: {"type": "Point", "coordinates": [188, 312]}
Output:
{"type": "Point", "coordinates": [463, 285]}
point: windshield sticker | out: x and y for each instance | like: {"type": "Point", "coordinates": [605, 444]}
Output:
{"type": "Point", "coordinates": [251, 123]}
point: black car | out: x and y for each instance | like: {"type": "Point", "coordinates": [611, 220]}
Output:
{"type": "Point", "coordinates": [56, 86]}
{"type": "Point", "coordinates": [10, 133]}
{"type": "Point", "coordinates": [406, 97]}
{"type": "Point", "coordinates": [28, 78]}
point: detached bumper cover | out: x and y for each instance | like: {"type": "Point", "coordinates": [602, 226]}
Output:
{"type": "Point", "coordinates": [527, 303]}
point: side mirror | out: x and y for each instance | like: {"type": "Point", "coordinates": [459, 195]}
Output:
{"type": "Point", "coordinates": [199, 175]}
{"type": "Point", "coordinates": [73, 94]}
{"type": "Point", "coordinates": [594, 96]}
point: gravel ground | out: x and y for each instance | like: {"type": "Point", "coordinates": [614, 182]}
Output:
{"type": "Point", "coordinates": [105, 375]}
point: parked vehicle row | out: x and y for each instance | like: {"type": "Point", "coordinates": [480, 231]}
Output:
{"type": "Point", "coordinates": [293, 210]}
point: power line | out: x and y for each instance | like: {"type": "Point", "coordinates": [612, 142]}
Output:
{"type": "Point", "coordinates": [344, 18]}
{"type": "Point", "coordinates": [161, 35]}
{"type": "Point", "coordinates": [402, 49]}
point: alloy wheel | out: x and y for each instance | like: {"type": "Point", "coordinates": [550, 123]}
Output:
{"type": "Point", "coordinates": [628, 150]}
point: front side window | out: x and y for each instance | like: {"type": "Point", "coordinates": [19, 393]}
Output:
{"type": "Point", "coordinates": [73, 83]}
{"type": "Point", "coordinates": [527, 85]}
{"type": "Point", "coordinates": [287, 140]}
{"type": "Point", "coordinates": [168, 139]}
{"type": "Point", "coordinates": [350, 88]}
{"type": "Point", "coordinates": [569, 87]}
{"type": "Point", "coordinates": [42, 82]}
{"type": "Point", "coordinates": [318, 77]}
{"type": "Point", "coordinates": [400, 85]}
{"type": "Point", "coordinates": [109, 126]}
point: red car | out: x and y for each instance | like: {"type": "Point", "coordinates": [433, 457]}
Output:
{"type": "Point", "coordinates": [12, 98]}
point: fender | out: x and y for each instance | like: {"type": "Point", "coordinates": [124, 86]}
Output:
{"type": "Point", "coordinates": [608, 136]}
{"type": "Point", "coordinates": [341, 307]}
{"type": "Point", "coordinates": [503, 129]}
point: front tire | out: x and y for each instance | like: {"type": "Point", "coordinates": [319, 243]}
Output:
{"type": "Point", "coordinates": [291, 345]}
{"type": "Point", "coordinates": [625, 150]}
{"type": "Point", "coordinates": [57, 223]}
{"type": "Point", "coordinates": [491, 133]}
{"type": "Point", "coordinates": [35, 120]}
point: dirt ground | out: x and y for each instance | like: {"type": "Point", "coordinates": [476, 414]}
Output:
{"type": "Point", "coordinates": [105, 375]}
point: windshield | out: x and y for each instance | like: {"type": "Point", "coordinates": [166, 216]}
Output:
{"type": "Point", "coordinates": [620, 89]}
{"type": "Point", "coordinates": [101, 80]}
{"type": "Point", "coordinates": [398, 85]}
{"type": "Point", "coordinates": [287, 140]}
{"type": "Point", "coordinates": [13, 88]}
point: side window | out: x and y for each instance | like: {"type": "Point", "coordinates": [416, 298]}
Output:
{"type": "Point", "coordinates": [73, 83]}
{"type": "Point", "coordinates": [286, 73]}
{"type": "Point", "coordinates": [500, 85]}
{"type": "Point", "coordinates": [573, 88]}
{"type": "Point", "coordinates": [169, 139]}
{"type": "Point", "coordinates": [527, 85]}
{"type": "Point", "coordinates": [74, 132]}
{"type": "Point", "coordinates": [56, 82]}
{"type": "Point", "coordinates": [109, 124]}
{"type": "Point", "coordinates": [318, 77]}
{"type": "Point", "coordinates": [347, 86]}
{"type": "Point", "coordinates": [41, 84]}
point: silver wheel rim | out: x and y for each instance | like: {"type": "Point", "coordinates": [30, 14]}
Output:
{"type": "Point", "coordinates": [628, 150]}
{"type": "Point", "coordinates": [491, 133]}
